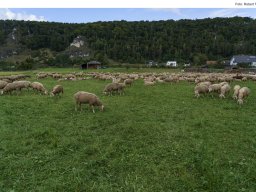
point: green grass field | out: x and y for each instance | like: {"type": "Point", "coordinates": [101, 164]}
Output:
{"type": "Point", "coordinates": [158, 138]}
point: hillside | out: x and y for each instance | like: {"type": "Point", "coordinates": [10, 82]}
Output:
{"type": "Point", "coordinates": [192, 41]}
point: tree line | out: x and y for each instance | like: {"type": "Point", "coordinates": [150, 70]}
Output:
{"type": "Point", "coordinates": [184, 40]}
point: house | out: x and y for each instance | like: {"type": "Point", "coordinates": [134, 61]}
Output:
{"type": "Point", "coordinates": [171, 63]}
{"type": "Point", "coordinates": [91, 65]}
{"type": "Point", "coordinates": [243, 59]}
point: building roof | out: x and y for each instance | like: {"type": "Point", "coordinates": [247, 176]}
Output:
{"type": "Point", "coordinates": [94, 63]}
{"type": "Point", "coordinates": [244, 59]}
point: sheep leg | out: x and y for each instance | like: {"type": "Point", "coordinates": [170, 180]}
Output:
{"type": "Point", "coordinates": [92, 108]}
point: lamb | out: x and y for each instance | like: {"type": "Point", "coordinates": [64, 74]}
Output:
{"type": "Point", "coordinates": [242, 94]}
{"type": "Point", "coordinates": [57, 89]}
{"type": "Point", "coordinates": [224, 89]}
{"type": "Point", "coordinates": [200, 89]}
{"type": "Point", "coordinates": [236, 91]}
{"type": "Point", "coordinates": [39, 87]}
{"type": "Point", "coordinates": [87, 98]}
{"type": "Point", "coordinates": [2, 84]}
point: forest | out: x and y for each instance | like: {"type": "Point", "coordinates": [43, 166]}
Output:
{"type": "Point", "coordinates": [193, 41]}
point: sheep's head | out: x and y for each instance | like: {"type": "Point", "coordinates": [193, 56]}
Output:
{"type": "Point", "coordinates": [2, 92]}
{"type": "Point", "coordinates": [240, 101]}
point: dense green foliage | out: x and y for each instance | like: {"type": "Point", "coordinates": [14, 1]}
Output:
{"type": "Point", "coordinates": [158, 138]}
{"type": "Point", "coordinates": [183, 40]}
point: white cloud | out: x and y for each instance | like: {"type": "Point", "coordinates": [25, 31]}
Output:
{"type": "Point", "coordinates": [228, 13]}
{"type": "Point", "coordinates": [6, 14]}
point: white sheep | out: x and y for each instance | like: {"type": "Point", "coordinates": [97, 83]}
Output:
{"type": "Point", "coordinates": [236, 91]}
{"type": "Point", "coordinates": [224, 90]}
{"type": "Point", "coordinates": [200, 89]}
{"type": "Point", "coordinates": [149, 83]}
{"type": "Point", "coordinates": [87, 98]}
{"type": "Point", "coordinates": [215, 88]}
{"type": "Point", "coordinates": [242, 94]}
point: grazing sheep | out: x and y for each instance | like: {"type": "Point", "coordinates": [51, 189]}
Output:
{"type": "Point", "coordinates": [223, 83]}
{"type": "Point", "coordinates": [114, 87]}
{"type": "Point", "coordinates": [200, 89]}
{"type": "Point", "coordinates": [242, 94]}
{"type": "Point", "coordinates": [9, 88]}
{"type": "Point", "coordinates": [149, 83]}
{"type": "Point", "coordinates": [39, 87]}
{"type": "Point", "coordinates": [224, 89]}
{"type": "Point", "coordinates": [22, 84]}
{"type": "Point", "coordinates": [41, 75]}
{"type": "Point", "coordinates": [207, 83]}
{"type": "Point", "coordinates": [236, 91]}
{"type": "Point", "coordinates": [2, 84]}
{"type": "Point", "coordinates": [128, 82]}
{"type": "Point", "coordinates": [87, 98]}
{"type": "Point", "coordinates": [57, 89]}
{"type": "Point", "coordinates": [215, 88]}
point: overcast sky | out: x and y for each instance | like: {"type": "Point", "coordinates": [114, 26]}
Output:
{"type": "Point", "coordinates": [85, 15]}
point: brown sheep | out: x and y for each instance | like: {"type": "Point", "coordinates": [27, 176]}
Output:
{"type": "Point", "coordinates": [9, 88]}
{"type": "Point", "coordinates": [3, 84]}
{"type": "Point", "coordinates": [57, 89]}
{"type": "Point", "coordinates": [87, 98]}
{"type": "Point", "coordinates": [39, 87]}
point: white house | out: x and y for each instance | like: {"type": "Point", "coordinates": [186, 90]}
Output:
{"type": "Point", "coordinates": [250, 59]}
{"type": "Point", "coordinates": [171, 63]}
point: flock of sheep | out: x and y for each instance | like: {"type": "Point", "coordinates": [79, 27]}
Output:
{"type": "Point", "coordinates": [222, 88]}
{"type": "Point", "coordinates": [205, 84]}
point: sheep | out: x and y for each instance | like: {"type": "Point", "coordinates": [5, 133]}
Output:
{"type": "Point", "coordinates": [223, 83]}
{"type": "Point", "coordinates": [242, 94]}
{"type": "Point", "coordinates": [207, 83]}
{"type": "Point", "coordinates": [2, 84]}
{"type": "Point", "coordinates": [41, 75]}
{"type": "Point", "coordinates": [149, 83]}
{"type": "Point", "coordinates": [224, 89]}
{"type": "Point", "coordinates": [200, 89]}
{"type": "Point", "coordinates": [236, 91]}
{"type": "Point", "coordinates": [22, 84]}
{"type": "Point", "coordinates": [113, 87]}
{"type": "Point", "coordinates": [128, 82]}
{"type": "Point", "coordinates": [215, 88]}
{"type": "Point", "coordinates": [9, 88]}
{"type": "Point", "coordinates": [57, 89]}
{"type": "Point", "coordinates": [87, 98]}
{"type": "Point", "coordinates": [39, 87]}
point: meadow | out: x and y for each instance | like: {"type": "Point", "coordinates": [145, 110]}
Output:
{"type": "Point", "coordinates": [158, 138]}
